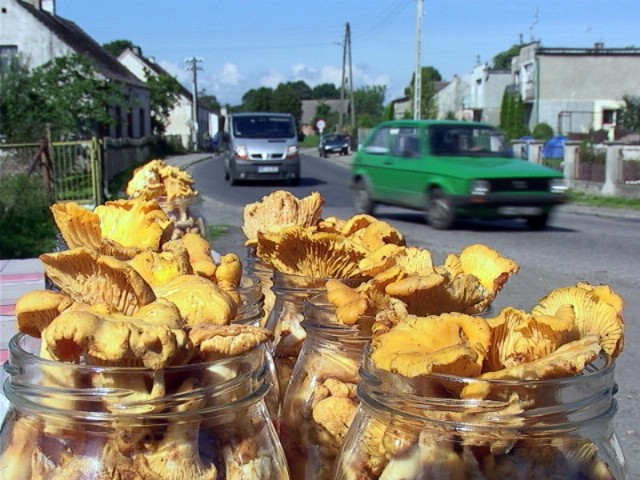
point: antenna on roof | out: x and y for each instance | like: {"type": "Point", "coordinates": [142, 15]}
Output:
{"type": "Point", "coordinates": [536, 18]}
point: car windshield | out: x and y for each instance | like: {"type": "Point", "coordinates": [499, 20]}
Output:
{"type": "Point", "coordinates": [263, 126]}
{"type": "Point", "coordinates": [335, 138]}
{"type": "Point", "coordinates": [471, 141]}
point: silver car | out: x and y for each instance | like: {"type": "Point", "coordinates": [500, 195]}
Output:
{"type": "Point", "coordinates": [261, 146]}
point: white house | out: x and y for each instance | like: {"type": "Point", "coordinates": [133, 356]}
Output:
{"type": "Point", "coordinates": [32, 30]}
{"type": "Point", "coordinates": [180, 122]}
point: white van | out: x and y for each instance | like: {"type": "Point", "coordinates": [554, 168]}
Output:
{"type": "Point", "coordinates": [261, 146]}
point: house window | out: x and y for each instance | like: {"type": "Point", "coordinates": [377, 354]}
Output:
{"type": "Point", "coordinates": [118, 126]}
{"type": "Point", "coordinates": [7, 52]}
{"type": "Point", "coordinates": [143, 124]}
{"type": "Point", "coordinates": [130, 124]}
{"type": "Point", "coordinates": [609, 116]}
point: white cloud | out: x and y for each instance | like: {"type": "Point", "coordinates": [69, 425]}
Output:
{"type": "Point", "coordinates": [272, 79]}
{"type": "Point", "coordinates": [229, 75]}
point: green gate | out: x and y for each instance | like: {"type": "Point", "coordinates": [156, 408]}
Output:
{"type": "Point", "coordinates": [72, 170]}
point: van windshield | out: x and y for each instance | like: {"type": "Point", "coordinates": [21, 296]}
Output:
{"type": "Point", "coordinates": [263, 126]}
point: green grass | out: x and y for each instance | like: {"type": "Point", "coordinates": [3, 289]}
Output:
{"type": "Point", "coordinates": [310, 141]}
{"type": "Point", "coordinates": [216, 231]}
{"type": "Point", "coordinates": [604, 201]}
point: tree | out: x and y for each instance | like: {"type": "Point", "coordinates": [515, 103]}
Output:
{"type": "Point", "coordinates": [257, 100]}
{"type": "Point", "coordinates": [303, 91]}
{"type": "Point", "coordinates": [65, 92]}
{"type": "Point", "coordinates": [330, 117]}
{"type": "Point", "coordinates": [502, 61]}
{"type": "Point", "coordinates": [630, 115]}
{"type": "Point", "coordinates": [369, 104]}
{"type": "Point", "coordinates": [326, 91]}
{"type": "Point", "coordinates": [428, 105]}
{"type": "Point", "coordinates": [512, 115]}
{"type": "Point", "coordinates": [210, 102]}
{"type": "Point", "coordinates": [164, 95]}
{"type": "Point", "coordinates": [286, 99]}
{"type": "Point", "coordinates": [116, 47]}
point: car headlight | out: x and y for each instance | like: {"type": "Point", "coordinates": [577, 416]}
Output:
{"type": "Point", "coordinates": [558, 185]}
{"type": "Point", "coordinates": [480, 187]}
{"type": "Point", "coordinates": [241, 152]}
{"type": "Point", "coordinates": [292, 151]}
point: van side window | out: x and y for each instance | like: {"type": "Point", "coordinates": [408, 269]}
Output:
{"type": "Point", "coordinates": [405, 142]}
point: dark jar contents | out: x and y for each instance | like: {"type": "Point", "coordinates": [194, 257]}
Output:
{"type": "Point", "coordinates": [199, 421]}
{"type": "Point", "coordinates": [427, 427]}
{"type": "Point", "coordinates": [321, 400]}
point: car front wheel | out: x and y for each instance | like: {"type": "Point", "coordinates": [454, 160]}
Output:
{"type": "Point", "coordinates": [362, 201]}
{"type": "Point", "coordinates": [440, 212]}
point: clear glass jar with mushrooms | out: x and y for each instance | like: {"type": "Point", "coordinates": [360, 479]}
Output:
{"type": "Point", "coordinates": [518, 395]}
{"type": "Point", "coordinates": [201, 420]}
{"type": "Point", "coordinates": [321, 399]}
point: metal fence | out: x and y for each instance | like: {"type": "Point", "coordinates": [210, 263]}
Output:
{"type": "Point", "coordinates": [71, 170]}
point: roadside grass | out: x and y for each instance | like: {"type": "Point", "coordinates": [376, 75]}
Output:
{"type": "Point", "coordinates": [309, 141]}
{"type": "Point", "coordinates": [216, 231]}
{"type": "Point", "coordinates": [604, 201]}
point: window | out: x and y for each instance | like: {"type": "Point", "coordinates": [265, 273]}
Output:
{"type": "Point", "coordinates": [609, 116]}
{"type": "Point", "coordinates": [405, 142]}
{"type": "Point", "coordinates": [143, 124]}
{"type": "Point", "coordinates": [7, 52]}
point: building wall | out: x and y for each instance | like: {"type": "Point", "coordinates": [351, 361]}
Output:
{"type": "Point", "coordinates": [486, 91]}
{"type": "Point", "coordinates": [454, 98]}
{"type": "Point", "coordinates": [36, 44]}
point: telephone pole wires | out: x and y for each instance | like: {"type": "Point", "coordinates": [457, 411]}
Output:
{"type": "Point", "coordinates": [192, 64]}
{"type": "Point", "coordinates": [417, 76]}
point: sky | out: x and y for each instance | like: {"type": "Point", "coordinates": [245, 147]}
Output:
{"type": "Point", "coordinates": [247, 44]}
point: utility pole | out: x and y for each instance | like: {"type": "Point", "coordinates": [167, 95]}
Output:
{"type": "Point", "coordinates": [417, 76]}
{"type": "Point", "coordinates": [347, 81]}
{"type": "Point", "coordinates": [192, 64]}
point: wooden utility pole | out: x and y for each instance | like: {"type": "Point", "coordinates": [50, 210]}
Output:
{"type": "Point", "coordinates": [192, 64]}
{"type": "Point", "coordinates": [417, 76]}
{"type": "Point", "coordinates": [346, 85]}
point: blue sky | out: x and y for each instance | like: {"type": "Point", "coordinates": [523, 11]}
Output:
{"type": "Point", "coordinates": [247, 44]}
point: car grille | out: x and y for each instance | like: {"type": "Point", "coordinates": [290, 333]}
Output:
{"type": "Point", "coordinates": [519, 184]}
{"type": "Point", "coordinates": [267, 156]}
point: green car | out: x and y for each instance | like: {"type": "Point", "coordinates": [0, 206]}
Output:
{"type": "Point", "coordinates": [452, 169]}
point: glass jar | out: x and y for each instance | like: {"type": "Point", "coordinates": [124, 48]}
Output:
{"type": "Point", "coordinates": [254, 267]}
{"type": "Point", "coordinates": [321, 399]}
{"type": "Point", "coordinates": [206, 420]}
{"type": "Point", "coordinates": [427, 427]}
{"type": "Point", "coordinates": [285, 321]}
{"type": "Point", "coordinates": [251, 308]}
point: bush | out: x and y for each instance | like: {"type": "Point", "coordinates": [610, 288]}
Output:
{"type": "Point", "coordinates": [542, 131]}
{"type": "Point", "coordinates": [27, 225]}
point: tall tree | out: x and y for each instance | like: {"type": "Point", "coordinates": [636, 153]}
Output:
{"type": "Point", "coordinates": [630, 115]}
{"type": "Point", "coordinates": [165, 94]}
{"type": "Point", "coordinates": [369, 104]}
{"type": "Point", "coordinates": [210, 102]}
{"type": "Point", "coordinates": [303, 91]}
{"type": "Point", "coordinates": [428, 105]}
{"type": "Point", "coordinates": [287, 100]}
{"type": "Point", "coordinates": [502, 61]}
{"type": "Point", "coordinates": [257, 100]}
{"type": "Point", "coordinates": [326, 91]}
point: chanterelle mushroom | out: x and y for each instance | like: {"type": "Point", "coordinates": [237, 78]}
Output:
{"type": "Point", "coordinates": [91, 278]}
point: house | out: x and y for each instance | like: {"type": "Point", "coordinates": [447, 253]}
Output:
{"type": "Point", "coordinates": [575, 90]}
{"type": "Point", "coordinates": [310, 108]}
{"type": "Point", "coordinates": [476, 96]}
{"type": "Point", "coordinates": [179, 127]}
{"type": "Point", "coordinates": [34, 31]}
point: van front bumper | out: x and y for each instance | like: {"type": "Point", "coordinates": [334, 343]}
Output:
{"type": "Point", "coordinates": [246, 170]}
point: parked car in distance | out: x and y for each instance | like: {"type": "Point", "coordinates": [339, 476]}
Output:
{"type": "Point", "coordinates": [261, 146]}
{"type": "Point", "coordinates": [334, 143]}
{"type": "Point", "coordinates": [452, 169]}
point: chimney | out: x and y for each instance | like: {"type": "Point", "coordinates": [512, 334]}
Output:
{"type": "Point", "coordinates": [598, 45]}
{"type": "Point", "coordinates": [48, 6]}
